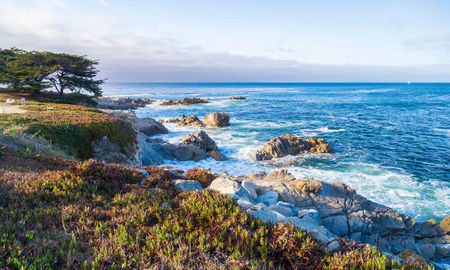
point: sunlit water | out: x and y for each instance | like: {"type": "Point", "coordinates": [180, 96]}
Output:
{"type": "Point", "coordinates": [391, 140]}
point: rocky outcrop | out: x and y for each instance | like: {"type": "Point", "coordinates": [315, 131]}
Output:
{"type": "Point", "coordinates": [216, 119]}
{"type": "Point", "coordinates": [145, 151]}
{"type": "Point", "coordinates": [335, 210]}
{"type": "Point", "coordinates": [237, 98]}
{"type": "Point", "coordinates": [196, 146]}
{"type": "Point", "coordinates": [150, 126]}
{"type": "Point", "coordinates": [184, 101]}
{"type": "Point", "coordinates": [187, 121]}
{"type": "Point", "coordinates": [107, 151]}
{"type": "Point", "coordinates": [122, 103]}
{"type": "Point", "coordinates": [291, 145]}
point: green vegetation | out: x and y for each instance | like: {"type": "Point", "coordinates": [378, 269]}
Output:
{"type": "Point", "coordinates": [204, 177]}
{"type": "Point", "coordinates": [71, 127]}
{"type": "Point", "coordinates": [34, 71]}
{"type": "Point", "coordinates": [64, 214]}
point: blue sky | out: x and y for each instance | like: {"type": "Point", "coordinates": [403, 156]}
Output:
{"type": "Point", "coordinates": [182, 40]}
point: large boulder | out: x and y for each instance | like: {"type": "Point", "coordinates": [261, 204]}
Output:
{"type": "Point", "coordinates": [151, 127]}
{"type": "Point", "coordinates": [291, 145]}
{"type": "Point", "coordinates": [196, 146]}
{"type": "Point", "coordinates": [185, 152]}
{"type": "Point", "coordinates": [226, 186]}
{"type": "Point", "coordinates": [200, 139]}
{"type": "Point", "coordinates": [216, 119]}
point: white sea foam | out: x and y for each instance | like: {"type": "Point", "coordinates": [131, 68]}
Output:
{"type": "Point", "coordinates": [327, 130]}
{"type": "Point", "coordinates": [443, 130]}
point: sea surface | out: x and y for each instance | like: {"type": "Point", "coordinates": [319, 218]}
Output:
{"type": "Point", "coordinates": [391, 141]}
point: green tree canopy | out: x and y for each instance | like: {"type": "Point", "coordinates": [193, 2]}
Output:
{"type": "Point", "coordinates": [35, 71]}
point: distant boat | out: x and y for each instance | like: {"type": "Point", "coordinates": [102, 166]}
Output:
{"type": "Point", "coordinates": [409, 82]}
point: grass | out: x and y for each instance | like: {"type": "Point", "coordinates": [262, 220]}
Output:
{"type": "Point", "coordinates": [57, 214]}
{"type": "Point", "coordinates": [71, 127]}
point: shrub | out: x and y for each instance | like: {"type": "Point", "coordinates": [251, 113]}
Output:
{"type": "Point", "coordinates": [203, 176]}
{"type": "Point", "coordinates": [71, 127]}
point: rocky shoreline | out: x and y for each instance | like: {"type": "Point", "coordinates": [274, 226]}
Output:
{"type": "Point", "coordinates": [329, 211]}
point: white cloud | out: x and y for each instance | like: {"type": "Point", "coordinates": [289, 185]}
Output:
{"type": "Point", "coordinates": [133, 56]}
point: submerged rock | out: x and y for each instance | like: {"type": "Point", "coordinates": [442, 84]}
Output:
{"type": "Point", "coordinates": [291, 145]}
{"type": "Point", "coordinates": [216, 119]}
{"type": "Point", "coordinates": [237, 98]}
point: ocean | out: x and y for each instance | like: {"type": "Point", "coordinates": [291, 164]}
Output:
{"type": "Point", "coordinates": [391, 140]}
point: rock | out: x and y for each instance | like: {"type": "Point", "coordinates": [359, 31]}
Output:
{"type": "Point", "coordinates": [333, 246]}
{"type": "Point", "coordinates": [309, 185]}
{"type": "Point", "coordinates": [427, 228]}
{"type": "Point", "coordinates": [154, 153]}
{"type": "Point", "coordinates": [285, 211]}
{"type": "Point", "coordinates": [267, 215]}
{"type": "Point", "coordinates": [250, 187]}
{"type": "Point", "coordinates": [245, 204]}
{"type": "Point", "coordinates": [217, 155]}
{"type": "Point", "coordinates": [109, 152]}
{"type": "Point", "coordinates": [444, 226]}
{"type": "Point", "coordinates": [268, 198]}
{"type": "Point", "coordinates": [427, 250]}
{"type": "Point", "coordinates": [313, 213]}
{"type": "Point", "coordinates": [151, 127]}
{"type": "Point", "coordinates": [201, 139]}
{"type": "Point", "coordinates": [187, 121]}
{"type": "Point", "coordinates": [187, 185]}
{"type": "Point", "coordinates": [288, 205]}
{"type": "Point", "coordinates": [230, 188]}
{"type": "Point", "coordinates": [188, 152]}
{"type": "Point", "coordinates": [217, 119]}
{"type": "Point", "coordinates": [337, 225]}
{"type": "Point", "coordinates": [307, 223]}
{"type": "Point", "coordinates": [258, 207]}
{"type": "Point", "coordinates": [411, 258]}
{"type": "Point", "coordinates": [185, 101]}
{"type": "Point", "coordinates": [443, 250]}
{"type": "Point", "coordinates": [237, 98]}
{"type": "Point", "coordinates": [10, 100]}
{"type": "Point", "coordinates": [291, 145]}
{"type": "Point", "coordinates": [144, 172]}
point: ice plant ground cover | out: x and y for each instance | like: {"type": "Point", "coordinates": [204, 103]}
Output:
{"type": "Point", "coordinates": [57, 213]}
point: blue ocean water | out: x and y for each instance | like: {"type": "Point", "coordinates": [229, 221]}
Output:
{"type": "Point", "coordinates": [392, 141]}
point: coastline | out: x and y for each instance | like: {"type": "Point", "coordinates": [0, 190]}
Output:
{"type": "Point", "coordinates": [330, 212]}
{"type": "Point", "coordinates": [334, 214]}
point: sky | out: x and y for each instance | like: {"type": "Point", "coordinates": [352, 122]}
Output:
{"type": "Point", "coordinates": [240, 40]}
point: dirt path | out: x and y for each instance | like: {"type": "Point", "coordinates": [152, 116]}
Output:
{"type": "Point", "coordinates": [8, 108]}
